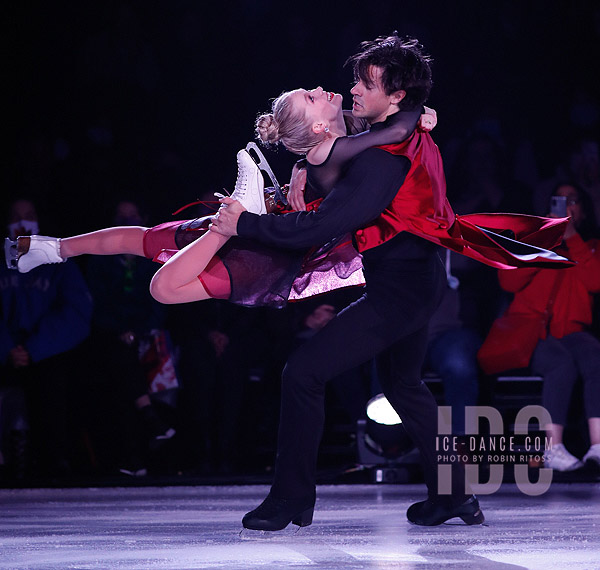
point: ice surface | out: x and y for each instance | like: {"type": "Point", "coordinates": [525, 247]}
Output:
{"type": "Point", "coordinates": [355, 526]}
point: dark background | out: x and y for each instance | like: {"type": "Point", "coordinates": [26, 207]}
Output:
{"type": "Point", "coordinates": [151, 100]}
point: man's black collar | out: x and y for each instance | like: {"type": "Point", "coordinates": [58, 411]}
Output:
{"type": "Point", "coordinates": [391, 120]}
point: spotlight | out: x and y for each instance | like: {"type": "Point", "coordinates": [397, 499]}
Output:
{"type": "Point", "coordinates": [384, 446]}
{"type": "Point", "coordinates": [385, 433]}
{"type": "Point", "coordinates": [381, 412]}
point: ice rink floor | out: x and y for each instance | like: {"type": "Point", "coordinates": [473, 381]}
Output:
{"type": "Point", "coordinates": [355, 526]}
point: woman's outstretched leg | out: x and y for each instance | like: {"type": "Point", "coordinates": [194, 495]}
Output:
{"type": "Point", "coordinates": [189, 274]}
{"type": "Point", "coordinates": [35, 250]}
{"type": "Point", "coordinates": [175, 282]}
{"type": "Point", "coordinates": [109, 241]}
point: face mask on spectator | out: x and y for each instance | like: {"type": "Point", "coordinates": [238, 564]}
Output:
{"type": "Point", "coordinates": [23, 228]}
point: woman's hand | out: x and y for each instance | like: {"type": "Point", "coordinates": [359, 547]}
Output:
{"type": "Point", "coordinates": [428, 120]}
{"type": "Point", "coordinates": [295, 195]}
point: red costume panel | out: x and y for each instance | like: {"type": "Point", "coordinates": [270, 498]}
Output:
{"type": "Point", "coordinates": [421, 208]}
{"type": "Point", "coordinates": [161, 238]}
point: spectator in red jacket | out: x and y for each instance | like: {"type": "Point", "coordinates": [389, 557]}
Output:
{"type": "Point", "coordinates": [568, 350]}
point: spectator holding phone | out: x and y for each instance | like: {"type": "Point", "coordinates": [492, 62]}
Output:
{"type": "Point", "coordinates": [562, 299]}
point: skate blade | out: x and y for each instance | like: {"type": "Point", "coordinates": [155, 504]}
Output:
{"type": "Point", "coordinates": [270, 535]}
{"type": "Point", "coordinates": [258, 157]}
{"type": "Point", "coordinates": [10, 253]}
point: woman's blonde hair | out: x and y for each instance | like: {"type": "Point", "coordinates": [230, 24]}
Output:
{"type": "Point", "coordinates": [287, 126]}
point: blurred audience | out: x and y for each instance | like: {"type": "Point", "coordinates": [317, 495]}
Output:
{"type": "Point", "coordinates": [227, 353]}
{"type": "Point", "coordinates": [45, 315]}
{"type": "Point", "coordinates": [480, 179]}
{"type": "Point", "coordinates": [579, 163]}
{"type": "Point", "coordinates": [129, 361]}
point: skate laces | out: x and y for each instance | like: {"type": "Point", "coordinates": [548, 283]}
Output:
{"type": "Point", "coordinates": [239, 192]}
{"type": "Point", "coordinates": [241, 182]}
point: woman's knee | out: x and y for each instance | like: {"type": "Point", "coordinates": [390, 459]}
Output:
{"type": "Point", "coordinates": [161, 289]}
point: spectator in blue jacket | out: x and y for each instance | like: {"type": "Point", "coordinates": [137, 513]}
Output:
{"type": "Point", "coordinates": [44, 315]}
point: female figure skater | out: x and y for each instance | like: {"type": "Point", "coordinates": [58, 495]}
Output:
{"type": "Point", "coordinates": [199, 264]}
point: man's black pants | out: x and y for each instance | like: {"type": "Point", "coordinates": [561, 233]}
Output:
{"type": "Point", "coordinates": [396, 335]}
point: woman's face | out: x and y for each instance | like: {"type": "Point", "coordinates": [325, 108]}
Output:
{"type": "Point", "coordinates": [323, 109]}
{"type": "Point", "coordinates": [574, 207]}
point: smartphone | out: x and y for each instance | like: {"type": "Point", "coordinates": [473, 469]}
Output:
{"type": "Point", "coordinates": [558, 206]}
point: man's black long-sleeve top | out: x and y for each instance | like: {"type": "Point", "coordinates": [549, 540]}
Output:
{"type": "Point", "coordinates": [370, 183]}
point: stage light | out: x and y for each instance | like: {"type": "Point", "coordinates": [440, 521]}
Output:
{"type": "Point", "coordinates": [383, 431]}
{"type": "Point", "coordinates": [380, 411]}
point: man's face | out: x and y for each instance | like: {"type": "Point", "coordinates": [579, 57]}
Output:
{"type": "Point", "coordinates": [370, 100]}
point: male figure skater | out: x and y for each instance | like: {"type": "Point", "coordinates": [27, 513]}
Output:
{"type": "Point", "coordinates": [405, 280]}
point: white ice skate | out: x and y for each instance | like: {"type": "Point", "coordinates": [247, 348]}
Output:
{"type": "Point", "coordinates": [250, 186]}
{"type": "Point", "coordinates": [42, 249]}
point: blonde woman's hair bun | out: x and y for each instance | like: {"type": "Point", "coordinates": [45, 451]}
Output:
{"type": "Point", "coordinates": [267, 128]}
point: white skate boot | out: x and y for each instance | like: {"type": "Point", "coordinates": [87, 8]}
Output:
{"type": "Point", "coordinates": [250, 186]}
{"type": "Point", "coordinates": [42, 249]}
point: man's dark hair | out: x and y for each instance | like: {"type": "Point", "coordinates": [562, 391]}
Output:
{"type": "Point", "coordinates": [405, 67]}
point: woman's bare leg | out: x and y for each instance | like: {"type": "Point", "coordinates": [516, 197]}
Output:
{"type": "Point", "coordinates": [109, 241]}
{"type": "Point", "coordinates": [177, 280]}
{"type": "Point", "coordinates": [32, 251]}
